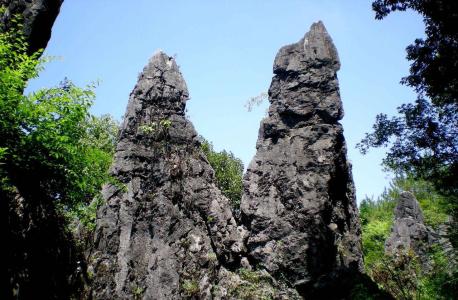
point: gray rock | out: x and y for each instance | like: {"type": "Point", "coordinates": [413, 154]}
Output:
{"type": "Point", "coordinates": [299, 199]}
{"type": "Point", "coordinates": [408, 208]}
{"type": "Point", "coordinates": [409, 233]}
{"type": "Point", "coordinates": [38, 19]}
{"type": "Point", "coordinates": [166, 229]}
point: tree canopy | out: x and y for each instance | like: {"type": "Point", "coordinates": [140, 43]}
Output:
{"type": "Point", "coordinates": [423, 137]}
{"type": "Point", "coordinates": [49, 141]}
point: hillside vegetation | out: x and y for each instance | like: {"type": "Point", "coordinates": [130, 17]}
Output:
{"type": "Point", "coordinates": [402, 275]}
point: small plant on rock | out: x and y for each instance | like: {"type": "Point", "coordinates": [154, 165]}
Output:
{"type": "Point", "coordinates": [190, 288]}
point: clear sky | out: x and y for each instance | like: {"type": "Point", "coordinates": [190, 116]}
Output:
{"type": "Point", "coordinates": [225, 49]}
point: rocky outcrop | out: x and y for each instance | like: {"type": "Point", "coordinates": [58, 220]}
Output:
{"type": "Point", "coordinates": [409, 231]}
{"type": "Point", "coordinates": [165, 230]}
{"type": "Point", "coordinates": [299, 199]}
{"type": "Point", "coordinates": [38, 17]}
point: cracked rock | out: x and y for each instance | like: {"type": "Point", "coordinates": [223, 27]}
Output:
{"type": "Point", "coordinates": [299, 200]}
{"type": "Point", "coordinates": [165, 229]}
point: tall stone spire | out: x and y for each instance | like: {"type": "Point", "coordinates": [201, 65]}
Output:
{"type": "Point", "coordinates": [409, 231]}
{"type": "Point", "coordinates": [166, 229]}
{"type": "Point", "coordinates": [299, 199]}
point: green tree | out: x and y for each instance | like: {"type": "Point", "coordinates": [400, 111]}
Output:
{"type": "Point", "coordinates": [423, 138]}
{"type": "Point", "coordinates": [228, 172]}
{"type": "Point", "coordinates": [400, 275]}
{"type": "Point", "coordinates": [50, 145]}
{"type": "Point", "coordinates": [53, 154]}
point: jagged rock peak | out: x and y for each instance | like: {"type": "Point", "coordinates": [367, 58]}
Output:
{"type": "Point", "coordinates": [305, 88]}
{"type": "Point", "coordinates": [410, 233]}
{"type": "Point", "coordinates": [162, 80]}
{"type": "Point", "coordinates": [408, 207]}
{"type": "Point", "coordinates": [408, 230]}
{"type": "Point", "coordinates": [314, 49]}
{"type": "Point", "coordinates": [299, 199]}
{"type": "Point", "coordinates": [164, 67]}
{"type": "Point", "coordinates": [169, 231]}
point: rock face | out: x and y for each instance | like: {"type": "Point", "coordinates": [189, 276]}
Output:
{"type": "Point", "coordinates": [38, 18]}
{"type": "Point", "coordinates": [409, 231]}
{"type": "Point", "coordinates": [299, 200]}
{"type": "Point", "coordinates": [166, 230]}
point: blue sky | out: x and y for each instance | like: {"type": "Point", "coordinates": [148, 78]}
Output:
{"type": "Point", "coordinates": [225, 49]}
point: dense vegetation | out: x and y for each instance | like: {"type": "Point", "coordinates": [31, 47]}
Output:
{"type": "Point", "coordinates": [423, 138]}
{"type": "Point", "coordinates": [50, 145]}
{"type": "Point", "coordinates": [54, 157]}
{"type": "Point", "coordinates": [402, 275]}
{"type": "Point", "coordinates": [228, 172]}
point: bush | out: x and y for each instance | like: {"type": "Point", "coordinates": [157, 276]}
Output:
{"type": "Point", "coordinates": [51, 147]}
{"type": "Point", "coordinates": [228, 172]}
{"type": "Point", "coordinates": [401, 275]}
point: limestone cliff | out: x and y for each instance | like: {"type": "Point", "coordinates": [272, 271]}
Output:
{"type": "Point", "coordinates": [299, 199]}
{"type": "Point", "coordinates": [166, 229]}
{"type": "Point", "coordinates": [409, 230]}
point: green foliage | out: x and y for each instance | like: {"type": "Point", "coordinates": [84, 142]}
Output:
{"type": "Point", "coordinates": [434, 57]}
{"type": "Point", "coordinates": [50, 145]}
{"type": "Point", "coordinates": [375, 232]}
{"type": "Point", "coordinates": [401, 275]}
{"type": "Point", "coordinates": [253, 285]}
{"type": "Point", "coordinates": [423, 137]}
{"type": "Point", "coordinates": [101, 133]}
{"type": "Point", "coordinates": [212, 258]}
{"type": "Point", "coordinates": [137, 291]}
{"type": "Point", "coordinates": [228, 172]}
{"type": "Point", "coordinates": [441, 282]}
{"type": "Point", "coordinates": [156, 128]}
{"type": "Point", "coordinates": [190, 288]}
{"type": "Point", "coordinates": [82, 214]}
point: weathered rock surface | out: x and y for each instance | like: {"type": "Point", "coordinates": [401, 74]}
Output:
{"type": "Point", "coordinates": [299, 200]}
{"type": "Point", "coordinates": [38, 19]}
{"type": "Point", "coordinates": [166, 229]}
{"type": "Point", "coordinates": [409, 233]}
{"type": "Point", "coordinates": [409, 230]}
